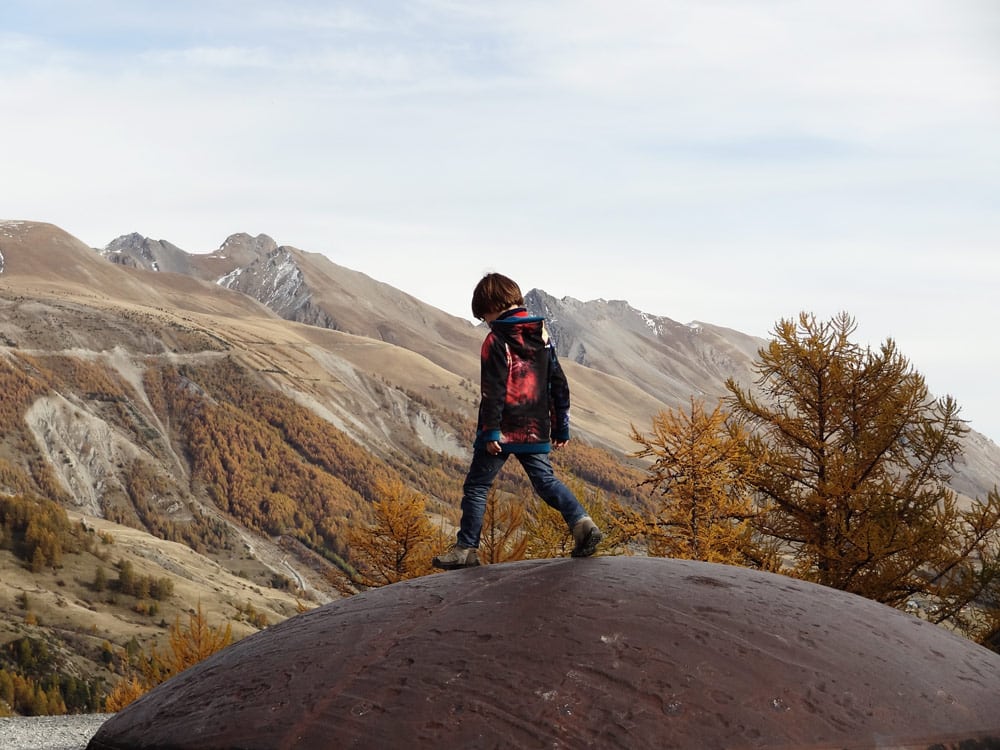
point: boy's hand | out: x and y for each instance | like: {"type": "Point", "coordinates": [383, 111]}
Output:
{"type": "Point", "coordinates": [559, 443]}
{"type": "Point", "coordinates": [493, 448]}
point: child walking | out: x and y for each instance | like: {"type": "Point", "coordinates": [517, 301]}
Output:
{"type": "Point", "coordinates": [524, 411]}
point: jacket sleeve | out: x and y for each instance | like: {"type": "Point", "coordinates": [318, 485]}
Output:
{"type": "Point", "coordinates": [494, 367]}
{"type": "Point", "coordinates": [558, 397]}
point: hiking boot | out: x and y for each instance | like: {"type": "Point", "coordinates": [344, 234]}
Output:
{"type": "Point", "coordinates": [457, 557]}
{"type": "Point", "coordinates": [587, 536]}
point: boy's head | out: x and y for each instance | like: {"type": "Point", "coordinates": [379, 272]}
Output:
{"type": "Point", "coordinates": [495, 293]}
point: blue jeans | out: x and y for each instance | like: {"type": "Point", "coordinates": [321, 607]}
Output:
{"type": "Point", "coordinates": [484, 470]}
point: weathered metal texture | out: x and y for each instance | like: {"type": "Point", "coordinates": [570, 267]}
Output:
{"type": "Point", "coordinates": [612, 652]}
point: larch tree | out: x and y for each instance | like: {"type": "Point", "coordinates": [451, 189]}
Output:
{"type": "Point", "coordinates": [400, 541]}
{"type": "Point", "coordinates": [699, 473]}
{"type": "Point", "coordinates": [853, 458]}
{"type": "Point", "coordinates": [188, 645]}
{"type": "Point", "coordinates": [546, 531]}
{"type": "Point", "coordinates": [503, 538]}
{"type": "Point", "coordinates": [548, 535]}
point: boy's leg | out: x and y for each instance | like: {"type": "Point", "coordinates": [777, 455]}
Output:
{"type": "Point", "coordinates": [548, 486]}
{"type": "Point", "coordinates": [482, 471]}
{"type": "Point", "coordinates": [557, 495]}
{"type": "Point", "coordinates": [478, 481]}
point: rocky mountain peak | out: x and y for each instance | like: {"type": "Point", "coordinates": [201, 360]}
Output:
{"type": "Point", "coordinates": [125, 242]}
{"type": "Point", "coordinates": [246, 247]}
{"type": "Point", "coordinates": [573, 322]}
{"type": "Point", "coordinates": [616, 311]}
{"type": "Point", "coordinates": [273, 278]}
{"type": "Point", "coordinates": [136, 251]}
{"type": "Point", "coordinates": [655, 353]}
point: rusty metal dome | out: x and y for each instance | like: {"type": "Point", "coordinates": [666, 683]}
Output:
{"type": "Point", "coordinates": [612, 652]}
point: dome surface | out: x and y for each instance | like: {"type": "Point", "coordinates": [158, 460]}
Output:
{"type": "Point", "coordinates": [605, 652]}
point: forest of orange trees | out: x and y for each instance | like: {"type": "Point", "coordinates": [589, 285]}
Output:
{"type": "Point", "coordinates": [270, 463]}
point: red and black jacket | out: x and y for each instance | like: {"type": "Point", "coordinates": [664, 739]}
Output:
{"type": "Point", "coordinates": [525, 395]}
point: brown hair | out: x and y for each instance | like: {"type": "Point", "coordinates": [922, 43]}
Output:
{"type": "Point", "coordinates": [495, 293]}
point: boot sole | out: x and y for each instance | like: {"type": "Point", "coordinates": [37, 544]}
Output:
{"type": "Point", "coordinates": [589, 545]}
{"type": "Point", "coordinates": [454, 566]}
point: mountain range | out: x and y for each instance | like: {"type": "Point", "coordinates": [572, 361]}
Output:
{"type": "Point", "coordinates": [667, 361]}
{"type": "Point", "coordinates": [227, 417]}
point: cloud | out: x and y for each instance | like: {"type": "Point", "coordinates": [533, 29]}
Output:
{"type": "Point", "coordinates": [723, 160]}
{"type": "Point", "coordinates": [209, 58]}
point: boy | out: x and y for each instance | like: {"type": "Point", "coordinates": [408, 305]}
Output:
{"type": "Point", "coordinates": [524, 411]}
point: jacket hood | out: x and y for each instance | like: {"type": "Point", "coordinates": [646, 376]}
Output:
{"type": "Point", "coordinates": [524, 333]}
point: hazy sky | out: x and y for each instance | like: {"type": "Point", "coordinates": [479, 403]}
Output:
{"type": "Point", "coordinates": [723, 161]}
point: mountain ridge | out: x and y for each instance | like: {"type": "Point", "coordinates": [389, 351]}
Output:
{"type": "Point", "coordinates": [669, 361]}
{"type": "Point", "coordinates": [601, 342]}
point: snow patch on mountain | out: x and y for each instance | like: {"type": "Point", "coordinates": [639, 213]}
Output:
{"type": "Point", "coordinates": [230, 280]}
{"type": "Point", "coordinates": [284, 278]}
{"type": "Point", "coordinates": [275, 280]}
{"type": "Point", "coordinates": [284, 271]}
{"type": "Point", "coordinates": [10, 228]}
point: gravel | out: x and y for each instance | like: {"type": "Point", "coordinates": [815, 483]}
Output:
{"type": "Point", "coordinates": [49, 732]}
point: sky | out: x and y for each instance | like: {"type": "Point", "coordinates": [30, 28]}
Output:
{"type": "Point", "coordinates": [733, 162]}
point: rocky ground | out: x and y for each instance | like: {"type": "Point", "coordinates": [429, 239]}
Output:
{"type": "Point", "coordinates": [49, 732]}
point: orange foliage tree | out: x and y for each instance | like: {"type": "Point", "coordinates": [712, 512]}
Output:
{"type": "Point", "coordinates": [36, 530]}
{"type": "Point", "coordinates": [854, 459]}
{"type": "Point", "coordinates": [548, 536]}
{"type": "Point", "coordinates": [503, 537]}
{"type": "Point", "coordinates": [698, 472]}
{"type": "Point", "coordinates": [399, 541]}
{"type": "Point", "coordinates": [188, 645]}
